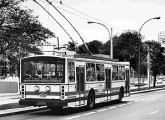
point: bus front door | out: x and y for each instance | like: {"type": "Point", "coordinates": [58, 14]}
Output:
{"type": "Point", "coordinates": [108, 82]}
{"type": "Point", "coordinates": [80, 74]}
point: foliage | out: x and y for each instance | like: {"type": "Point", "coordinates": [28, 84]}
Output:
{"type": "Point", "coordinates": [156, 59]}
{"type": "Point", "coordinates": [20, 31]}
{"type": "Point", "coordinates": [72, 45]}
{"type": "Point", "coordinates": [126, 47]}
{"type": "Point", "coordinates": [95, 46]}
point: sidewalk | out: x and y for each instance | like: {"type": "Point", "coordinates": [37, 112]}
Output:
{"type": "Point", "coordinates": [9, 100]}
{"type": "Point", "coordinates": [13, 99]}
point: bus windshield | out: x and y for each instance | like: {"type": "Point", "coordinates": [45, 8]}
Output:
{"type": "Point", "coordinates": [43, 69]}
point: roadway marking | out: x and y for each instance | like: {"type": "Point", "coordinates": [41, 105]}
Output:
{"type": "Point", "coordinates": [154, 112]}
{"type": "Point", "coordinates": [142, 99]}
{"type": "Point", "coordinates": [122, 105]}
{"type": "Point", "coordinates": [72, 117]}
{"type": "Point", "coordinates": [102, 110]}
{"type": "Point", "coordinates": [88, 113]}
{"type": "Point", "coordinates": [130, 103]}
{"type": "Point", "coordinates": [113, 107]}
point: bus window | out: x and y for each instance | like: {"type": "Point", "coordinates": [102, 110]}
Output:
{"type": "Point", "coordinates": [90, 72]}
{"type": "Point", "coordinates": [121, 73]}
{"type": "Point", "coordinates": [115, 72]}
{"type": "Point", "coordinates": [100, 72]}
{"type": "Point", "coordinates": [51, 70]}
{"type": "Point", "coordinates": [71, 72]}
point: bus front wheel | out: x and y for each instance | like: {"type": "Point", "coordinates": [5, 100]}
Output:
{"type": "Point", "coordinates": [91, 100]}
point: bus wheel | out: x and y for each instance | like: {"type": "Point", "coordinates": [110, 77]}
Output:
{"type": "Point", "coordinates": [91, 100]}
{"type": "Point", "coordinates": [121, 94]}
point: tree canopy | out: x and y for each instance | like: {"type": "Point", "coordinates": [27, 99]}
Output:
{"type": "Point", "coordinates": [156, 58]}
{"type": "Point", "coordinates": [20, 32]}
{"type": "Point", "coordinates": [19, 29]}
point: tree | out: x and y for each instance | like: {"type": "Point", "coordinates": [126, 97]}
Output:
{"type": "Point", "coordinates": [125, 47]}
{"type": "Point", "coordinates": [20, 32]}
{"type": "Point", "coordinates": [72, 45]}
{"type": "Point", "coordinates": [95, 46]}
{"type": "Point", "coordinates": [156, 59]}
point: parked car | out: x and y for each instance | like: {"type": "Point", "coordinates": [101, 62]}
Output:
{"type": "Point", "coordinates": [159, 81]}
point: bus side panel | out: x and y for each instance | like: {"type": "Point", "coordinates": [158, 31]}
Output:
{"type": "Point", "coordinates": [72, 95]}
{"type": "Point", "coordinates": [116, 85]}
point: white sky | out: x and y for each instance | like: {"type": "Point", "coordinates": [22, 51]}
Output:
{"type": "Point", "coordinates": [119, 14]}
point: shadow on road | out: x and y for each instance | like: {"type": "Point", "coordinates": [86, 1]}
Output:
{"type": "Point", "coordinates": [72, 111]}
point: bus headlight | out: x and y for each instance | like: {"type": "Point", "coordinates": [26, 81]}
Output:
{"type": "Point", "coordinates": [47, 88]}
{"type": "Point", "coordinates": [36, 88]}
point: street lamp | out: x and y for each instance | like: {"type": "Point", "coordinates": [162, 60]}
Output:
{"type": "Point", "coordinates": [139, 48]}
{"type": "Point", "coordinates": [110, 37]}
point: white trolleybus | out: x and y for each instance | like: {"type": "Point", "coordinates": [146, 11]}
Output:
{"type": "Point", "coordinates": [81, 80]}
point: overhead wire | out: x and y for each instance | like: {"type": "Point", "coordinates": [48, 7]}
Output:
{"type": "Point", "coordinates": [84, 14]}
{"type": "Point", "coordinates": [70, 25]}
{"type": "Point", "coordinates": [110, 26]}
{"type": "Point", "coordinates": [53, 19]}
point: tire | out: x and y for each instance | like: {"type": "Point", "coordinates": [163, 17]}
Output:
{"type": "Point", "coordinates": [91, 100]}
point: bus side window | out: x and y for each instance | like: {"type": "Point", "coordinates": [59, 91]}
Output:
{"type": "Point", "coordinates": [121, 73]}
{"type": "Point", "coordinates": [90, 72]}
{"type": "Point", "coordinates": [115, 73]}
{"type": "Point", "coordinates": [71, 72]}
{"type": "Point", "coordinates": [100, 72]}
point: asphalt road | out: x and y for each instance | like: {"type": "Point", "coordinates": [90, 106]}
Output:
{"type": "Point", "coordinates": [144, 106]}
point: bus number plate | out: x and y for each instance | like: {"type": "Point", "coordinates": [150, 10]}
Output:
{"type": "Point", "coordinates": [42, 95]}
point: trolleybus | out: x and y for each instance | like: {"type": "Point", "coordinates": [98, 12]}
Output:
{"type": "Point", "coordinates": [80, 80]}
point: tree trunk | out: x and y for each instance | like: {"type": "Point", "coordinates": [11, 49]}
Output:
{"type": "Point", "coordinates": [154, 84]}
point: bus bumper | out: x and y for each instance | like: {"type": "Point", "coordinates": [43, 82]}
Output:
{"type": "Point", "coordinates": [42, 102]}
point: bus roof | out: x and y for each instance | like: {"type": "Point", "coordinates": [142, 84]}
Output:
{"type": "Point", "coordinates": [78, 57]}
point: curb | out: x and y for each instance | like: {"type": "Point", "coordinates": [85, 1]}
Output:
{"type": "Point", "coordinates": [146, 90]}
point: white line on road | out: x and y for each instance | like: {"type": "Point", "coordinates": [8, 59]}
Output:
{"type": "Point", "coordinates": [112, 107]}
{"type": "Point", "coordinates": [122, 105]}
{"type": "Point", "coordinates": [72, 117]}
{"type": "Point", "coordinates": [154, 112]}
{"type": "Point", "coordinates": [142, 99]}
{"type": "Point", "coordinates": [129, 103]}
{"type": "Point", "coordinates": [102, 110]}
{"type": "Point", "coordinates": [89, 113]}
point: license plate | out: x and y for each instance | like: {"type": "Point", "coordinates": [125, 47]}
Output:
{"type": "Point", "coordinates": [42, 95]}
{"type": "Point", "coordinates": [41, 103]}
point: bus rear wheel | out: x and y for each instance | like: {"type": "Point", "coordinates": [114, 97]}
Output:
{"type": "Point", "coordinates": [91, 100]}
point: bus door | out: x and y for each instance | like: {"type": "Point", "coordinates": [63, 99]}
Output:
{"type": "Point", "coordinates": [127, 86]}
{"type": "Point", "coordinates": [80, 75]}
{"type": "Point", "coordinates": [108, 81]}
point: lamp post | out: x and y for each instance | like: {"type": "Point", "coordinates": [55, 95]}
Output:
{"type": "Point", "coordinates": [110, 37]}
{"type": "Point", "coordinates": [139, 48]}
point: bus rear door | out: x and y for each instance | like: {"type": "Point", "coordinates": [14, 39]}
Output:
{"type": "Point", "coordinates": [108, 81]}
{"type": "Point", "coordinates": [80, 80]}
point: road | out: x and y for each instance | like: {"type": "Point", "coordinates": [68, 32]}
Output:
{"type": "Point", "coordinates": [143, 106]}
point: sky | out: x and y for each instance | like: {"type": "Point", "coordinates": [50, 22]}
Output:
{"type": "Point", "coordinates": [120, 15]}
